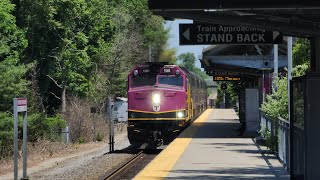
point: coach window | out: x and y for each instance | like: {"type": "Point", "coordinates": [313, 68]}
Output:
{"type": "Point", "coordinates": [171, 80]}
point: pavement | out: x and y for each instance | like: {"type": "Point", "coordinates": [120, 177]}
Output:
{"type": "Point", "coordinates": [212, 148]}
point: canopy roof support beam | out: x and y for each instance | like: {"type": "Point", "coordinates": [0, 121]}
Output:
{"type": "Point", "coordinates": [257, 62]}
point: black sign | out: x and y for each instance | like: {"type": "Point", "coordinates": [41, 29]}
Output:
{"type": "Point", "coordinates": [226, 75]}
{"type": "Point", "coordinates": [205, 34]}
{"type": "Point", "coordinates": [226, 78]}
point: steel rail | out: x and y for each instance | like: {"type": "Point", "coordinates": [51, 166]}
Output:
{"type": "Point", "coordinates": [124, 166]}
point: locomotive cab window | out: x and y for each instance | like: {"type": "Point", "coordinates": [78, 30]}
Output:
{"type": "Point", "coordinates": [171, 80]}
{"type": "Point", "coordinates": [138, 81]}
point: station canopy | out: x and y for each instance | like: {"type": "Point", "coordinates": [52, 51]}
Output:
{"type": "Point", "coordinates": [247, 60]}
{"type": "Point", "coordinates": [299, 18]}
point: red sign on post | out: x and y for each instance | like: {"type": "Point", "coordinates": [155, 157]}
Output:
{"type": "Point", "coordinates": [21, 104]}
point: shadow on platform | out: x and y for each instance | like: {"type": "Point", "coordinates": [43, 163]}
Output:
{"type": "Point", "coordinates": [227, 128]}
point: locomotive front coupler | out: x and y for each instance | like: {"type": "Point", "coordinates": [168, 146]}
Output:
{"type": "Point", "coordinates": [156, 138]}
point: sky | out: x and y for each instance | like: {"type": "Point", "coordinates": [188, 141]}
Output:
{"type": "Point", "coordinates": [174, 40]}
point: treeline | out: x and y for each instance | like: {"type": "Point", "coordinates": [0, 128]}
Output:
{"type": "Point", "coordinates": [52, 51]}
{"type": "Point", "coordinates": [54, 48]}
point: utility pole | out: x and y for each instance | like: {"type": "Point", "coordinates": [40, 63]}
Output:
{"type": "Point", "coordinates": [276, 62]}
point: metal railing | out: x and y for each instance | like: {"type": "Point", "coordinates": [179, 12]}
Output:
{"type": "Point", "coordinates": [266, 122]}
{"type": "Point", "coordinates": [281, 129]}
{"type": "Point", "coordinates": [284, 142]}
{"type": "Point", "coordinates": [298, 152]}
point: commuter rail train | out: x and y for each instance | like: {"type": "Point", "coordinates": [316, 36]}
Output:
{"type": "Point", "coordinates": [162, 100]}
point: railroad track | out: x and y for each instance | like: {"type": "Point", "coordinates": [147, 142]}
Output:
{"type": "Point", "coordinates": [124, 167]}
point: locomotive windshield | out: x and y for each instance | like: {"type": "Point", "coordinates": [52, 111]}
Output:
{"type": "Point", "coordinates": [138, 81]}
{"type": "Point", "coordinates": [171, 80]}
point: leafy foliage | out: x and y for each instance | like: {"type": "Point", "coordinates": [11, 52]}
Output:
{"type": "Point", "coordinates": [77, 44]}
{"type": "Point", "coordinates": [12, 71]}
{"type": "Point", "coordinates": [301, 52]}
{"type": "Point", "coordinates": [52, 50]}
{"type": "Point", "coordinates": [188, 60]}
{"type": "Point", "coordinates": [276, 104]}
{"type": "Point", "coordinates": [38, 127]}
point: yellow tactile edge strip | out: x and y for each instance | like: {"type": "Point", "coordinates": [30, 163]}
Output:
{"type": "Point", "coordinates": [161, 166]}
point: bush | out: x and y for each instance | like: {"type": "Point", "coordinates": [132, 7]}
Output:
{"type": "Point", "coordinates": [38, 127]}
{"type": "Point", "coordinates": [54, 127]}
{"type": "Point", "coordinates": [81, 140]}
{"type": "Point", "coordinates": [276, 104]}
{"type": "Point", "coordinates": [6, 134]}
{"type": "Point", "coordinates": [99, 137]}
{"type": "Point", "coordinates": [271, 139]}
{"type": "Point", "coordinates": [80, 120]}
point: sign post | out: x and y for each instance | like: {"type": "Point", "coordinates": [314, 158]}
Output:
{"type": "Point", "coordinates": [93, 110]}
{"type": "Point", "coordinates": [111, 123]}
{"type": "Point", "coordinates": [20, 105]}
{"type": "Point", "coordinates": [205, 34]}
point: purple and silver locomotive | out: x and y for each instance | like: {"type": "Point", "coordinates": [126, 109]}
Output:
{"type": "Point", "coordinates": [162, 100]}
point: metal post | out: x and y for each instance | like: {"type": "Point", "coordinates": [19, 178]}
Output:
{"type": "Point", "coordinates": [289, 50]}
{"type": "Point", "coordinates": [67, 134]}
{"type": "Point", "coordinates": [109, 122]}
{"type": "Point", "coordinates": [111, 125]}
{"type": "Point", "coordinates": [25, 141]}
{"type": "Point", "coordinates": [312, 113]}
{"type": "Point", "coordinates": [94, 128]}
{"type": "Point", "coordinates": [276, 62]}
{"type": "Point", "coordinates": [15, 142]}
{"type": "Point", "coordinates": [315, 55]}
{"type": "Point", "coordinates": [289, 70]}
{"type": "Point", "coordinates": [224, 98]}
{"type": "Point", "coordinates": [263, 87]}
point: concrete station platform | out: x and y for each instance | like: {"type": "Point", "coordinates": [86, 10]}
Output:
{"type": "Point", "coordinates": [211, 148]}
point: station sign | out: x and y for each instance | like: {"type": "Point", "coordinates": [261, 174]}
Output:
{"type": "Point", "coordinates": [21, 104]}
{"type": "Point", "coordinates": [226, 78]}
{"type": "Point", "coordinates": [206, 34]}
{"type": "Point", "coordinates": [226, 75]}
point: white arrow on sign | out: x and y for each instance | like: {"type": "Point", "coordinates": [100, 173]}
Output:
{"type": "Point", "coordinates": [186, 34]}
{"type": "Point", "coordinates": [275, 34]}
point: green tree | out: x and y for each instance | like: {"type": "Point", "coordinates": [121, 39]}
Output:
{"type": "Point", "coordinates": [187, 60]}
{"type": "Point", "coordinates": [12, 69]}
{"type": "Point", "coordinates": [301, 52]}
{"type": "Point", "coordinates": [63, 36]}
{"type": "Point", "coordinates": [151, 26]}
{"type": "Point", "coordinates": [81, 46]}
{"type": "Point", "coordinates": [276, 104]}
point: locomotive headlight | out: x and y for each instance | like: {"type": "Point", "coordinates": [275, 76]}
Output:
{"type": "Point", "coordinates": [135, 72]}
{"type": "Point", "coordinates": [156, 98]}
{"type": "Point", "coordinates": [180, 114]}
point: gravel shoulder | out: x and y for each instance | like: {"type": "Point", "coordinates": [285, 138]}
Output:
{"type": "Point", "coordinates": [90, 162]}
